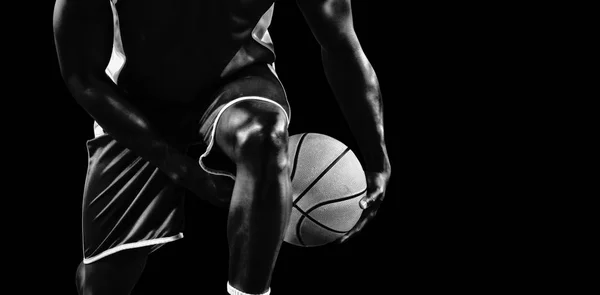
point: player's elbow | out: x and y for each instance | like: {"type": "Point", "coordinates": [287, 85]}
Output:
{"type": "Point", "coordinates": [337, 9]}
{"type": "Point", "coordinates": [331, 23]}
{"type": "Point", "coordinates": [82, 87]}
{"type": "Point", "coordinates": [340, 44]}
{"type": "Point", "coordinates": [337, 37]}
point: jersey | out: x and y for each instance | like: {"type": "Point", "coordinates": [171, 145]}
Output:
{"type": "Point", "coordinates": [234, 35]}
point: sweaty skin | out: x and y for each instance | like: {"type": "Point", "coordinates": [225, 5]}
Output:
{"type": "Point", "coordinates": [176, 52]}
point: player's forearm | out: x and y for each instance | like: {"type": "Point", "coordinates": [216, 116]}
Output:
{"type": "Point", "coordinates": [108, 106]}
{"type": "Point", "coordinates": [356, 88]}
{"type": "Point", "coordinates": [83, 34]}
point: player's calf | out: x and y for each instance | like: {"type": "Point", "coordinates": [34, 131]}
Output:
{"type": "Point", "coordinates": [254, 135]}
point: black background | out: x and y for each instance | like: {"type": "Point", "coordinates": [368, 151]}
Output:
{"type": "Point", "coordinates": [439, 227]}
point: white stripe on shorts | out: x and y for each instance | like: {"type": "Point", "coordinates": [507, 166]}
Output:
{"type": "Point", "coordinates": [132, 246]}
{"type": "Point", "coordinates": [214, 128]}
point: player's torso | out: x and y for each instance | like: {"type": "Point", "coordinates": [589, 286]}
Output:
{"type": "Point", "coordinates": [173, 50]}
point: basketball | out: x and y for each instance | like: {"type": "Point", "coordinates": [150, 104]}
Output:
{"type": "Point", "coordinates": [328, 181]}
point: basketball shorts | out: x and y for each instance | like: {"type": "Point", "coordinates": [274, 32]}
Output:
{"type": "Point", "coordinates": [128, 203]}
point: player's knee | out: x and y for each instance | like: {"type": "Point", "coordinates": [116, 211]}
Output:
{"type": "Point", "coordinates": [264, 140]}
{"type": "Point", "coordinates": [80, 279]}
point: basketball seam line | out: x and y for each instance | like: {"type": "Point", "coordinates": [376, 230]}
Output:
{"type": "Point", "coordinates": [298, 224]}
{"type": "Point", "coordinates": [316, 222]}
{"type": "Point", "coordinates": [335, 201]}
{"type": "Point", "coordinates": [305, 214]}
{"type": "Point", "coordinates": [320, 176]}
{"type": "Point", "coordinates": [297, 154]}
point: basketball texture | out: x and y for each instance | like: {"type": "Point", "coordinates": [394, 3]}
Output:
{"type": "Point", "coordinates": [328, 181]}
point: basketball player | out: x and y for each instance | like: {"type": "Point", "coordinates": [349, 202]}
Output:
{"type": "Point", "coordinates": [160, 77]}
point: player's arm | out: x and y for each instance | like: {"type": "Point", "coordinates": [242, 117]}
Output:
{"type": "Point", "coordinates": [356, 88]}
{"type": "Point", "coordinates": [83, 32]}
{"type": "Point", "coordinates": [350, 75]}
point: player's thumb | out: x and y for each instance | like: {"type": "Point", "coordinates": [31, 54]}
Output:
{"type": "Point", "coordinates": [375, 190]}
{"type": "Point", "coordinates": [367, 200]}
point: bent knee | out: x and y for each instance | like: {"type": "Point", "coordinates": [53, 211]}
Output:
{"type": "Point", "coordinates": [254, 131]}
{"type": "Point", "coordinates": [258, 136]}
{"type": "Point", "coordinates": [262, 143]}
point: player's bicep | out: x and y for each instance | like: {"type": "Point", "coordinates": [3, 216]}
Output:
{"type": "Point", "coordinates": [83, 34]}
{"type": "Point", "coordinates": [330, 22]}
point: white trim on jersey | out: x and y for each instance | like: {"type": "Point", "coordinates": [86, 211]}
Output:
{"type": "Point", "coordinates": [214, 128]}
{"type": "Point", "coordinates": [132, 246]}
{"type": "Point", "coordinates": [117, 57]}
{"type": "Point", "coordinates": [260, 35]}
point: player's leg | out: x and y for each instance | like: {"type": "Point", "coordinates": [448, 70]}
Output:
{"type": "Point", "coordinates": [253, 133]}
{"type": "Point", "coordinates": [115, 274]}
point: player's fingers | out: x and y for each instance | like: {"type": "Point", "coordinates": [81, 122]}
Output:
{"type": "Point", "coordinates": [370, 198]}
{"type": "Point", "coordinates": [359, 226]}
{"type": "Point", "coordinates": [354, 231]}
{"type": "Point", "coordinates": [343, 239]}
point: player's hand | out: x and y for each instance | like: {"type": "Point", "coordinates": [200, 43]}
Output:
{"type": "Point", "coordinates": [216, 190]}
{"type": "Point", "coordinates": [186, 171]}
{"type": "Point", "coordinates": [376, 186]}
{"type": "Point", "coordinates": [222, 190]}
